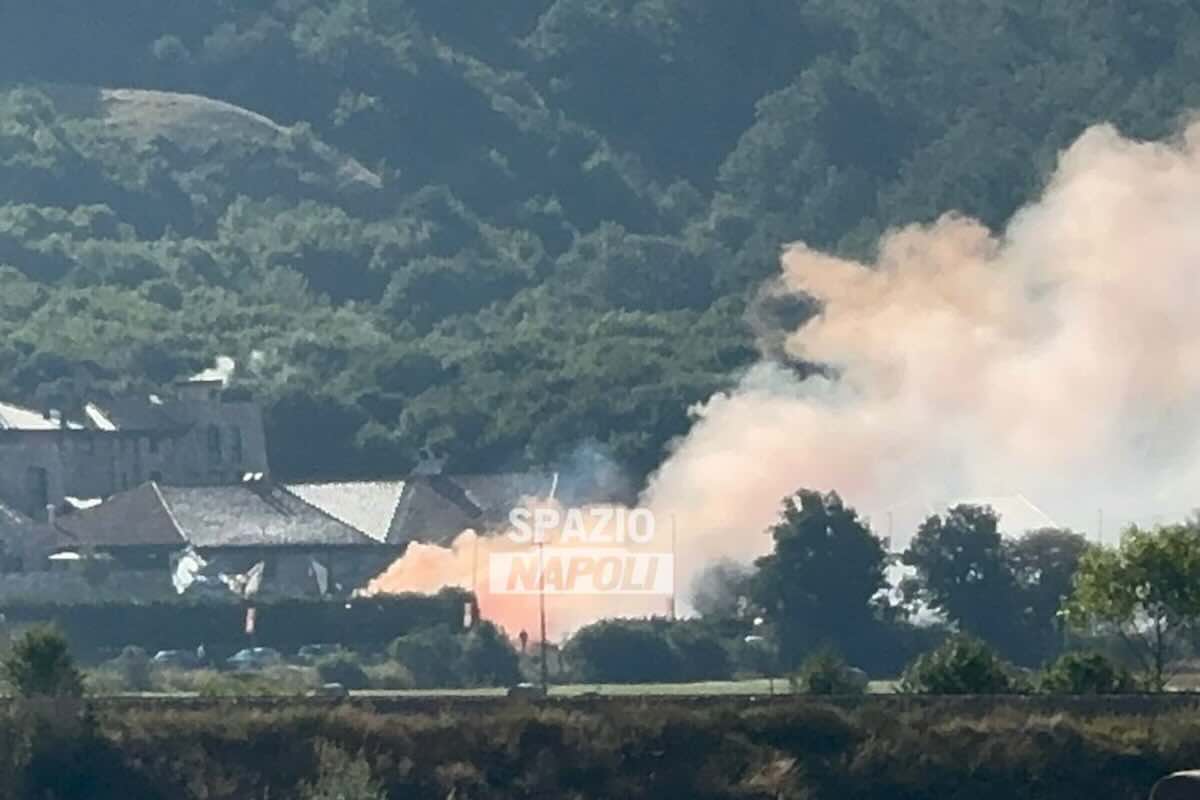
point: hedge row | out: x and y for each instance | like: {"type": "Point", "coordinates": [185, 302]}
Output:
{"type": "Point", "coordinates": [98, 631]}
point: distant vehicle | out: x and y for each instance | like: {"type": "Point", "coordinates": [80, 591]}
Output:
{"type": "Point", "coordinates": [330, 690]}
{"type": "Point", "coordinates": [175, 658]}
{"type": "Point", "coordinates": [254, 658]}
{"type": "Point", "coordinates": [313, 652]}
{"type": "Point", "coordinates": [527, 691]}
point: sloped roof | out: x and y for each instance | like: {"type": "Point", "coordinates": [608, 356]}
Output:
{"type": "Point", "coordinates": [18, 418]}
{"type": "Point", "coordinates": [437, 508]}
{"type": "Point", "coordinates": [1017, 514]}
{"type": "Point", "coordinates": [255, 515]}
{"type": "Point", "coordinates": [21, 535]}
{"type": "Point", "coordinates": [132, 414]}
{"type": "Point", "coordinates": [12, 522]}
{"type": "Point", "coordinates": [425, 508]}
{"type": "Point", "coordinates": [369, 506]}
{"type": "Point", "coordinates": [247, 515]}
{"type": "Point", "coordinates": [136, 518]}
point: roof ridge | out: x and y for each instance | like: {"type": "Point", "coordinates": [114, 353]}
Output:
{"type": "Point", "coordinates": [166, 507]}
{"type": "Point", "coordinates": [286, 489]}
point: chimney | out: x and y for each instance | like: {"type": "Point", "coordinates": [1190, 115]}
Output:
{"type": "Point", "coordinates": [430, 463]}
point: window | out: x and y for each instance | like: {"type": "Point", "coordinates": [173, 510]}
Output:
{"type": "Point", "coordinates": [156, 476]}
{"type": "Point", "coordinates": [154, 445]}
{"type": "Point", "coordinates": [235, 444]}
{"type": "Point", "coordinates": [214, 443]}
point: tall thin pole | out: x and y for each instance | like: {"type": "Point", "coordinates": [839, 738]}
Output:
{"type": "Point", "coordinates": [674, 571]}
{"type": "Point", "coordinates": [475, 569]}
{"type": "Point", "coordinates": [542, 612]}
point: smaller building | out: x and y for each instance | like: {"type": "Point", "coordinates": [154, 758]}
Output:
{"type": "Point", "coordinates": [230, 531]}
{"type": "Point", "coordinates": [427, 508]}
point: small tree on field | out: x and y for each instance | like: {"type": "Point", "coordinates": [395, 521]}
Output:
{"type": "Point", "coordinates": [827, 673]}
{"type": "Point", "coordinates": [40, 664]}
{"type": "Point", "coordinates": [1085, 673]}
{"type": "Point", "coordinates": [962, 665]}
{"type": "Point", "coordinates": [1147, 590]}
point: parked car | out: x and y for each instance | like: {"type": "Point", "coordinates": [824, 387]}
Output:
{"type": "Point", "coordinates": [254, 658]}
{"type": "Point", "coordinates": [184, 659]}
{"type": "Point", "coordinates": [527, 691]}
{"type": "Point", "coordinates": [313, 652]}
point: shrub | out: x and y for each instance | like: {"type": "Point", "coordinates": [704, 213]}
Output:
{"type": "Point", "coordinates": [343, 668]}
{"type": "Point", "coordinates": [133, 665]}
{"type": "Point", "coordinates": [489, 658]}
{"type": "Point", "coordinates": [700, 652]}
{"type": "Point", "coordinates": [962, 665]}
{"type": "Point", "coordinates": [1085, 673]}
{"type": "Point", "coordinates": [622, 651]}
{"type": "Point", "coordinates": [827, 673]}
{"type": "Point", "coordinates": [390, 675]}
{"type": "Point", "coordinates": [432, 656]}
{"type": "Point", "coordinates": [40, 664]}
{"type": "Point", "coordinates": [341, 776]}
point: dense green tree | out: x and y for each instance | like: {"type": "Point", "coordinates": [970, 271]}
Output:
{"type": "Point", "coordinates": [961, 570]}
{"type": "Point", "coordinates": [567, 203]}
{"type": "Point", "coordinates": [819, 586]}
{"type": "Point", "coordinates": [1145, 591]}
{"type": "Point", "coordinates": [39, 664]}
{"type": "Point", "coordinates": [1044, 563]}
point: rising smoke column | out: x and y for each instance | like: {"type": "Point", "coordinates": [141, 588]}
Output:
{"type": "Point", "coordinates": [1059, 359]}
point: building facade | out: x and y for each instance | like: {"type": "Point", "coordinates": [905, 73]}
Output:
{"type": "Point", "coordinates": [196, 438]}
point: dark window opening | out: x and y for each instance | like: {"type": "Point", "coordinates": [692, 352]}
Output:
{"type": "Point", "coordinates": [235, 444]}
{"type": "Point", "coordinates": [214, 443]}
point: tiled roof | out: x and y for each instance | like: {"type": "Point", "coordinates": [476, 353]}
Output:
{"type": "Point", "coordinates": [425, 508]}
{"type": "Point", "coordinates": [136, 518]}
{"type": "Point", "coordinates": [25, 419]}
{"type": "Point", "coordinates": [247, 515]}
{"type": "Point", "coordinates": [12, 522]}
{"type": "Point", "coordinates": [255, 515]}
{"type": "Point", "coordinates": [369, 506]}
{"type": "Point", "coordinates": [20, 535]}
{"type": "Point", "coordinates": [132, 414]}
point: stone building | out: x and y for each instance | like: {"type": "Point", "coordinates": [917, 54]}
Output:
{"type": "Point", "coordinates": [198, 437]}
{"type": "Point", "coordinates": [219, 534]}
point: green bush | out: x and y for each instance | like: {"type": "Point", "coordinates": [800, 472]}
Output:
{"type": "Point", "coordinates": [622, 651]}
{"type": "Point", "coordinates": [962, 665]}
{"type": "Point", "coordinates": [133, 665]}
{"type": "Point", "coordinates": [827, 673]}
{"type": "Point", "coordinates": [341, 776]}
{"type": "Point", "coordinates": [390, 675]}
{"type": "Point", "coordinates": [343, 668]}
{"type": "Point", "coordinates": [702, 655]}
{"type": "Point", "coordinates": [1085, 673]}
{"type": "Point", "coordinates": [40, 664]}
{"type": "Point", "coordinates": [489, 658]}
{"type": "Point", "coordinates": [432, 656]}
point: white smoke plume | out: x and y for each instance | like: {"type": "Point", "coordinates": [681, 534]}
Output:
{"type": "Point", "coordinates": [1058, 360]}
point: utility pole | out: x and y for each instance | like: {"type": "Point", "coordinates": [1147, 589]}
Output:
{"type": "Point", "coordinates": [542, 613]}
{"type": "Point", "coordinates": [674, 573]}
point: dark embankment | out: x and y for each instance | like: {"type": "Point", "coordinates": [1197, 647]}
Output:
{"type": "Point", "coordinates": [659, 750]}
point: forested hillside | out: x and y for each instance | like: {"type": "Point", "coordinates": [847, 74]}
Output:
{"type": "Point", "coordinates": [504, 230]}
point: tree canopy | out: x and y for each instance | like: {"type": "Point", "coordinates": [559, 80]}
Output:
{"type": "Point", "coordinates": [503, 232]}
